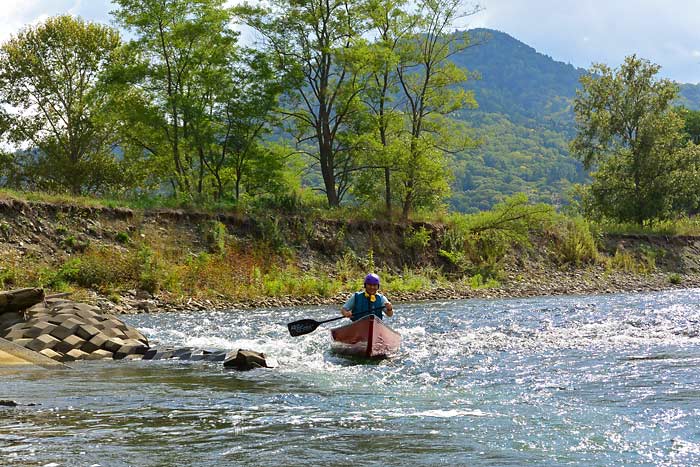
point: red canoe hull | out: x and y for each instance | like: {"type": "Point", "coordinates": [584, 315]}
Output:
{"type": "Point", "coordinates": [367, 337]}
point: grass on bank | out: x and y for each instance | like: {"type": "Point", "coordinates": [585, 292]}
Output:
{"type": "Point", "coordinates": [472, 249]}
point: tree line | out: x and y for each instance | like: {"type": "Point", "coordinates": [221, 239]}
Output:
{"type": "Point", "coordinates": [358, 91]}
{"type": "Point", "coordinates": [360, 99]}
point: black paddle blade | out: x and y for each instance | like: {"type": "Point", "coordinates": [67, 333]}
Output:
{"type": "Point", "coordinates": [301, 327]}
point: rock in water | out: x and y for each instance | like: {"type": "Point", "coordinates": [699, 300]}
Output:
{"type": "Point", "coordinates": [245, 360]}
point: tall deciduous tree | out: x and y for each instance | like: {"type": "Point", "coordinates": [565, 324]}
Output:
{"type": "Point", "coordinates": [429, 89]}
{"type": "Point", "coordinates": [629, 132]}
{"type": "Point", "coordinates": [319, 43]}
{"type": "Point", "coordinates": [49, 77]}
{"type": "Point", "coordinates": [182, 51]}
{"type": "Point", "coordinates": [390, 23]}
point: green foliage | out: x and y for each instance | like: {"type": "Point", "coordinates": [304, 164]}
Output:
{"type": "Point", "coordinates": [573, 241]}
{"type": "Point", "coordinates": [410, 280]}
{"type": "Point", "coordinates": [417, 240]}
{"type": "Point", "coordinates": [691, 124]}
{"type": "Point", "coordinates": [215, 236]}
{"type": "Point", "coordinates": [152, 270]}
{"type": "Point", "coordinates": [480, 241]}
{"type": "Point", "coordinates": [628, 131]}
{"type": "Point", "coordinates": [292, 283]}
{"type": "Point", "coordinates": [49, 77]}
{"type": "Point", "coordinates": [477, 282]}
{"type": "Point", "coordinates": [193, 106]}
{"type": "Point", "coordinates": [5, 228]}
{"type": "Point", "coordinates": [7, 276]}
{"type": "Point", "coordinates": [123, 238]}
{"type": "Point", "coordinates": [319, 97]}
{"type": "Point", "coordinates": [628, 262]}
{"type": "Point", "coordinates": [675, 279]}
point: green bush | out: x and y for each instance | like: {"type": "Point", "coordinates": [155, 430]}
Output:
{"type": "Point", "coordinates": [215, 237]}
{"type": "Point", "coordinates": [416, 239]}
{"type": "Point", "coordinates": [675, 278]}
{"type": "Point", "coordinates": [122, 237]}
{"type": "Point", "coordinates": [573, 242]}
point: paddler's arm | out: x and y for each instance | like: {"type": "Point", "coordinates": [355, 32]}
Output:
{"type": "Point", "coordinates": [345, 312]}
{"type": "Point", "coordinates": [389, 309]}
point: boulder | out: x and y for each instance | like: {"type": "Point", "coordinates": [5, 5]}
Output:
{"type": "Point", "coordinates": [244, 360]}
{"type": "Point", "coordinates": [19, 299]}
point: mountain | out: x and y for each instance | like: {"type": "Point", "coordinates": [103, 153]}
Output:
{"type": "Point", "coordinates": [526, 121]}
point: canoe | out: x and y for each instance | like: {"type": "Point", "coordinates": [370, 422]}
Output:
{"type": "Point", "coordinates": [368, 337]}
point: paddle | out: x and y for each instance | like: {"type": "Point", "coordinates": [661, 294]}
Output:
{"type": "Point", "coordinates": [305, 326]}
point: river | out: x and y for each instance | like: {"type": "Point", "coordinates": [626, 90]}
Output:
{"type": "Point", "coordinates": [584, 380]}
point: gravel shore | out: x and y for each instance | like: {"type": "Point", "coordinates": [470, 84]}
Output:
{"type": "Point", "coordinates": [590, 281]}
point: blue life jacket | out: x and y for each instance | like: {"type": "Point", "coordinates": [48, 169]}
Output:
{"type": "Point", "coordinates": [364, 307]}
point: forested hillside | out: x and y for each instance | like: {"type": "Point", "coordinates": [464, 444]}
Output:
{"type": "Point", "coordinates": [526, 121]}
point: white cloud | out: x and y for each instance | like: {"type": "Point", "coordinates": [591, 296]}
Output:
{"type": "Point", "coordinates": [583, 32]}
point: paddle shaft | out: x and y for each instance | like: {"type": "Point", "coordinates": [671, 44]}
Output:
{"type": "Point", "coordinates": [306, 326]}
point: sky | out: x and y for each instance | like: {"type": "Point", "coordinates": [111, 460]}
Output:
{"type": "Point", "coordinates": [579, 32]}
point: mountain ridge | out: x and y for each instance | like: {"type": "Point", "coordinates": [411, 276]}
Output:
{"type": "Point", "coordinates": [525, 117]}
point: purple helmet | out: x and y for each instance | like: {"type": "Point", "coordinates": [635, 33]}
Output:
{"type": "Point", "coordinates": [372, 278]}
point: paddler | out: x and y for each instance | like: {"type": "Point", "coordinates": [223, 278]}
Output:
{"type": "Point", "coordinates": [368, 301]}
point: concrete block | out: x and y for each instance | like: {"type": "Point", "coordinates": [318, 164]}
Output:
{"type": "Point", "coordinates": [129, 349]}
{"type": "Point", "coordinates": [69, 343]}
{"type": "Point", "coordinates": [45, 341]}
{"type": "Point", "coordinates": [114, 332]}
{"type": "Point", "coordinates": [87, 315]}
{"type": "Point", "coordinates": [132, 333]}
{"type": "Point", "coordinates": [134, 356]}
{"type": "Point", "coordinates": [74, 354]}
{"type": "Point", "coordinates": [95, 343]}
{"type": "Point", "coordinates": [164, 354]}
{"type": "Point", "coordinates": [113, 344]}
{"type": "Point", "coordinates": [23, 342]}
{"type": "Point", "coordinates": [18, 326]}
{"type": "Point", "coordinates": [60, 332]}
{"type": "Point", "coordinates": [39, 328]}
{"type": "Point", "coordinates": [52, 354]}
{"type": "Point", "coordinates": [15, 334]}
{"type": "Point", "coordinates": [149, 354]}
{"type": "Point", "coordinates": [117, 323]}
{"type": "Point", "coordinates": [99, 354]}
{"type": "Point", "coordinates": [86, 331]}
{"type": "Point", "coordinates": [59, 318]}
{"type": "Point", "coordinates": [216, 356]}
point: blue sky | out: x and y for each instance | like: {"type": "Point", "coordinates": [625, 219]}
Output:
{"type": "Point", "coordinates": [580, 32]}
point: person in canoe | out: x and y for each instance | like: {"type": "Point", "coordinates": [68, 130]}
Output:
{"type": "Point", "coordinates": [367, 302]}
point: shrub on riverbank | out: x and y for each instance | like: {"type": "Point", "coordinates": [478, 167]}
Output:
{"type": "Point", "coordinates": [237, 257]}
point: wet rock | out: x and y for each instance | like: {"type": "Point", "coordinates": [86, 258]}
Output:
{"type": "Point", "coordinates": [245, 360]}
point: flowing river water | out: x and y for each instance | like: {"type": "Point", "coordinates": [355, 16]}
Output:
{"type": "Point", "coordinates": [585, 380]}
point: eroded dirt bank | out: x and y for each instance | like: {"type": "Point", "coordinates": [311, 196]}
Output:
{"type": "Point", "coordinates": [52, 233]}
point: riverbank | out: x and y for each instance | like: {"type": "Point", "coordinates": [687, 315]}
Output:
{"type": "Point", "coordinates": [128, 261]}
{"type": "Point", "coordinates": [591, 281]}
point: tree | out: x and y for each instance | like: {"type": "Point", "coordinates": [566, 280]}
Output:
{"type": "Point", "coordinates": [49, 76]}
{"type": "Point", "coordinates": [692, 124]}
{"type": "Point", "coordinates": [629, 132]}
{"type": "Point", "coordinates": [244, 116]}
{"type": "Point", "coordinates": [319, 44]}
{"type": "Point", "coordinates": [180, 61]}
{"type": "Point", "coordinates": [391, 23]}
{"type": "Point", "coordinates": [428, 82]}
